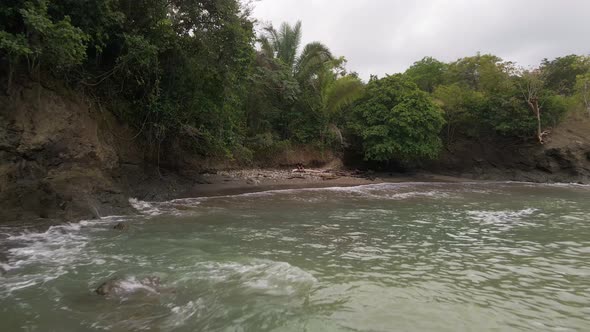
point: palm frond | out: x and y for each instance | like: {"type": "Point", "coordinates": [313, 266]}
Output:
{"type": "Point", "coordinates": [266, 47]}
{"type": "Point", "coordinates": [341, 93]}
{"type": "Point", "coordinates": [312, 61]}
{"type": "Point", "coordinates": [288, 42]}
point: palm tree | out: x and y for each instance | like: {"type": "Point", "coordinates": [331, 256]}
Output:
{"type": "Point", "coordinates": [338, 91]}
{"type": "Point", "coordinates": [283, 45]}
{"type": "Point", "coordinates": [315, 69]}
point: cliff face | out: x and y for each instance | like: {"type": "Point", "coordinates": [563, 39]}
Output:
{"type": "Point", "coordinates": [57, 158]}
{"type": "Point", "coordinates": [564, 158]}
{"type": "Point", "coordinates": [61, 159]}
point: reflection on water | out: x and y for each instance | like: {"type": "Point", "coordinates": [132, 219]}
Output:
{"type": "Point", "coordinates": [389, 257]}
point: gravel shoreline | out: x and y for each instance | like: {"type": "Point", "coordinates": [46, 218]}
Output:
{"type": "Point", "coordinates": [256, 180]}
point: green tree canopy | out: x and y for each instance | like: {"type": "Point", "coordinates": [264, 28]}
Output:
{"type": "Point", "coordinates": [397, 121]}
{"type": "Point", "coordinates": [29, 33]}
{"type": "Point", "coordinates": [427, 73]}
{"type": "Point", "coordinates": [583, 91]}
{"type": "Point", "coordinates": [560, 74]}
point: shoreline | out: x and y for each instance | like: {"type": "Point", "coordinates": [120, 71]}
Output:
{"type": "Point", "coordinates": [245, 181]}
{"type": "Point", "coordinates": [230, 183]}
{"type": "Point", "coordinates": [257, 180]}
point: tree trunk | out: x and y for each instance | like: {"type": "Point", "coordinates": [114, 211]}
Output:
{"type": "Point", "coordinates": [586, 101]}
{"type": "Point", "coordinates": [534, 105]}
{"type": "Point", "coordinates": [539, 132]}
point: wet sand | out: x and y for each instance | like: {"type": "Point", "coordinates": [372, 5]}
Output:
{"type": "Point", "coordinates": [257, 180]}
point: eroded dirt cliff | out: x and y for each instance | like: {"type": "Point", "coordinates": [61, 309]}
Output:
{"type": "Point", "coordinates": [58, 159]}
{"type": "Point", "coordinates": [62, 159]}
{"type": "Point", "coordinates": [564, 158]}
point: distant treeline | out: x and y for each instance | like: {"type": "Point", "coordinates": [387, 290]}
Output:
{"type": "Point", "coordinates": [196, 73]}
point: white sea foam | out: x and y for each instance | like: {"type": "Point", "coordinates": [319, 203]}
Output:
{"type": "Point", "coordinates": [180, 314]}
{"type": "Point", "coordinates": [144, 207]}
{"type": "Point", "coordinates": [131, 284]}
{"type": "Point", "coordinates": [56, 250]}
{"type": "Point", "coordinates": [495, 217]}
{"type": "Point", "coordinates": [57, 245]}
{"type": "Point", "coordinates": [379, 191]}
{"type": "Point", "coordinates": [361, 189]}
{"type": "Point", "coordinates": [415, 194]}
{"type": "Point", "coordinates": [174, 207]}
{"type": "Point", "coordinates": [559, 184]}
{"type": "Point", "coordinates": [261, 276]}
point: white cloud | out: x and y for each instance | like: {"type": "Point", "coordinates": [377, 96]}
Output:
{"type": "Point", "coordinates": [387, 36]}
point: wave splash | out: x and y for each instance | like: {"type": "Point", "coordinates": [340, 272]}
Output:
{"type": "Point", "coordinates": [45, 256]}
{"type": "Point", "coordinates": [260, 276]}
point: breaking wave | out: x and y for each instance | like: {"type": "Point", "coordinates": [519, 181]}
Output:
{"type": "Point", "coordinates": [260, 276]}
{"type": "Point", "coordinates": [56, 250]}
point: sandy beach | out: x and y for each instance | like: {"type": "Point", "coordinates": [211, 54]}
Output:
{"type": "Point", "coordinates": [256, 180]}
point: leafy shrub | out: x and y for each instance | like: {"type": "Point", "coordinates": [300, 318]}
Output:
{"type": "Point", "coordinates": [397, 121]}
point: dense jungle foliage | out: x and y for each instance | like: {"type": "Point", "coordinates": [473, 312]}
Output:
{"type": "Point", "coordinates": [197, 73]}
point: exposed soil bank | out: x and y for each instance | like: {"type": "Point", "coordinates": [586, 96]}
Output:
{"type": "Point", "coordinates": [61, 159]}
{"type": "Point", "coordinates": [564, 158]}
{"type": "Point", "coordinates": [57, 159]}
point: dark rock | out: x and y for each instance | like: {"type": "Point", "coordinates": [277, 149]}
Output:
{"type": "Point", "coordinates": [121, 226]}
{"type": "Point", "coordinates": [119, 286]}
{"type": "Point", "coordinates": [106, 288]}
{"type": "Point", "coordinates": [56, 159]}
{"type": "Point", "coordinates": [565, 158]}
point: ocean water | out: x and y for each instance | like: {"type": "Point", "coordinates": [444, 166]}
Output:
{"type": "Point", "coordinates": [389, 257]}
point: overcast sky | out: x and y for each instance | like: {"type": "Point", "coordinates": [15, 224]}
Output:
{"type": "Point", "coordinates": [387, 36]}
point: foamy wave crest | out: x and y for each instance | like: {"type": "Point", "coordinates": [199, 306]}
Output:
{"type": "Point", "coordinates": [261, 276]}
{"type": "Point", "coordinates": [57, 245]}
{"type": "Point", "coordinates": [55, 249]}
{"type": "Point", "coordinates": [415, 194]}
{"type": "Point", "coordinates": [131, 285]}
{"type": "Point", "coordinates": [144, 207]}
{"type": "Point", "coordinates": [394, 191]}
{"type": "Point", "coordinates": [380, 191]}
{"type": "Point", "coordinates": [500, 216]}
{"type": "Point", "coordinates": [174, 207]}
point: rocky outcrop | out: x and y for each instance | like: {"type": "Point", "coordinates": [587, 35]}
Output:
{"type": "Point", "coordinates": [57, 160]}
{"type": "Point", "coordinates": [62, 159]}
{"type": "Point", "coordinates": [121, 287]}
{"type": "Point", "coordinates": [122, 226]}
{"type": "Point", "coordinates": [564, 158]}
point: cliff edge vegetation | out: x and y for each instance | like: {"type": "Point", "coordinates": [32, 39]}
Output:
{"type": "Point", "coordinates": [105, 99]}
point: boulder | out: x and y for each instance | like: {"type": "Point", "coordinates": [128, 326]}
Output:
{"type": "Point", "coordinates": [120, 286]}
{"type": "Point", "coordinates": [121, 226]}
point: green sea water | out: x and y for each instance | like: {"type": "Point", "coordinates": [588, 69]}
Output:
{"type": "Point", "coordinates": [387, 257]}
